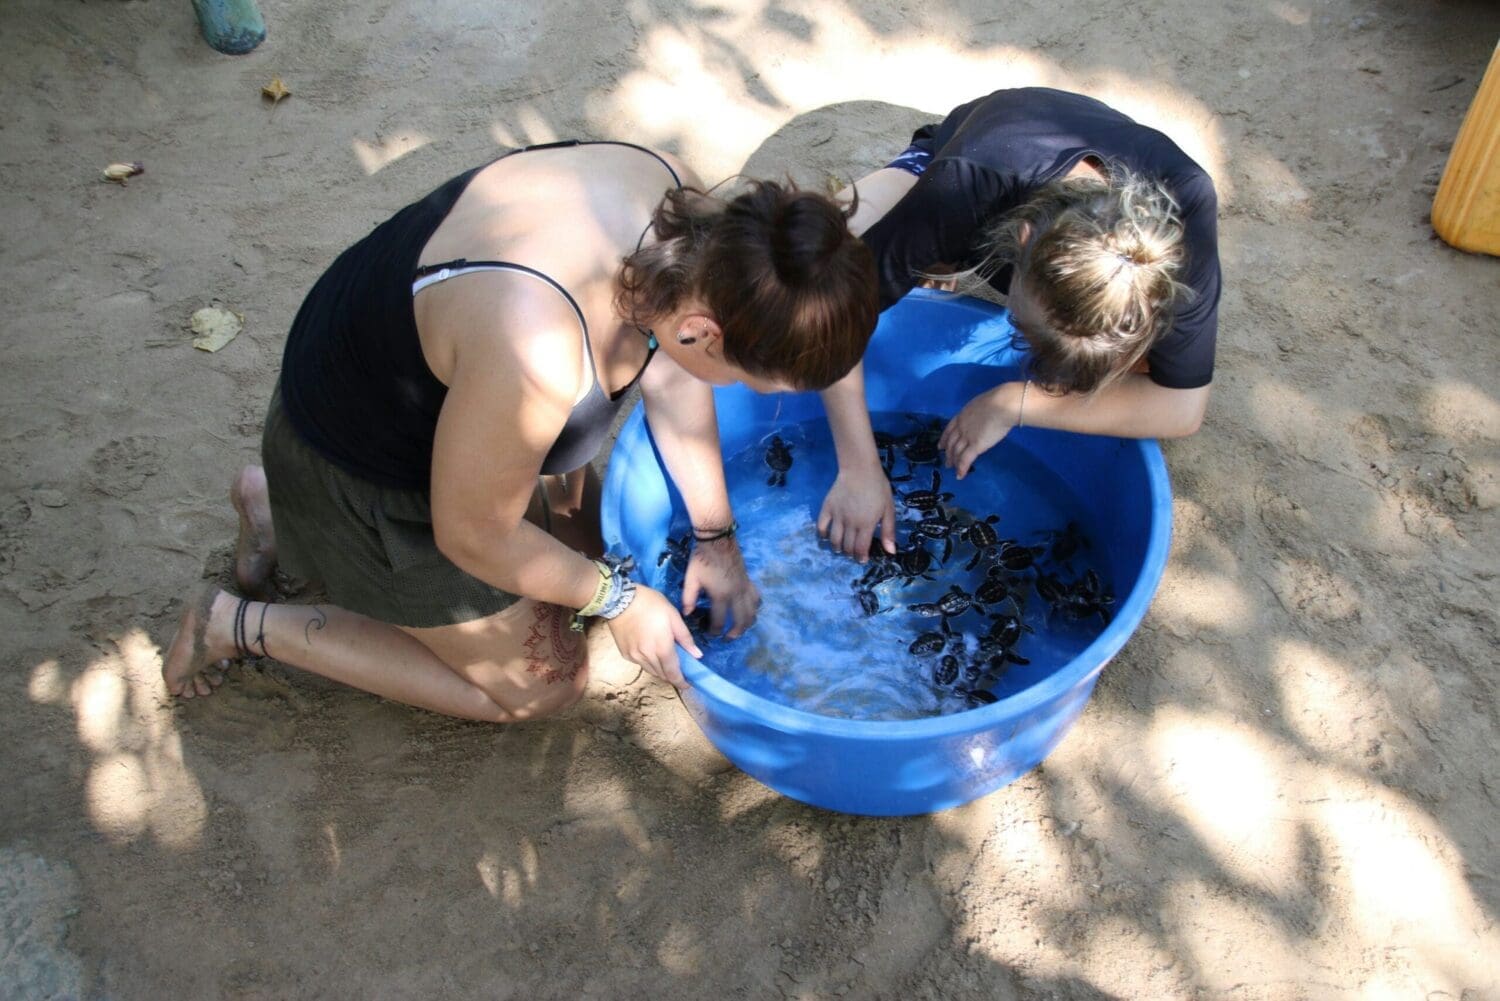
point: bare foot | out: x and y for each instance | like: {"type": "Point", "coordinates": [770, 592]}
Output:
{"type": "Point", "coordinates": [255, 550]}
{"type": "Point", "coordinates": [203, 647]}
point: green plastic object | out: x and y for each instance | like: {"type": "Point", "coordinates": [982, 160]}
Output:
{"type": "Point", "coordinates": [234, 27]}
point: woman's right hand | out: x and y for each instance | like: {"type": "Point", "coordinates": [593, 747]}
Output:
{"type": "Point", "coordinates": [858, 505]}
{"type": "Point", "coordinates": [649, 632]}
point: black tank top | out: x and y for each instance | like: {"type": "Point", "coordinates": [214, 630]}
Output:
{"type": "Point", "coordinates": [354, 383]}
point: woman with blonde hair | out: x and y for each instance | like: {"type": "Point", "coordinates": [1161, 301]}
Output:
{"type": "Point", "coordinates": [1102, 235]}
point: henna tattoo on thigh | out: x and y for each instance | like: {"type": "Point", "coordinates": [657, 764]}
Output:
{"type": "Point", "coordinates": [317, 620]}
{"type": "Point", "coordinates": [554, 652]}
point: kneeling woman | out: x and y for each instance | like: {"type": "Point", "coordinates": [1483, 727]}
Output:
{"type": "Point", "coordinates": [1102, 234]}
{"type": "Point", "coordinates": [444, 387]}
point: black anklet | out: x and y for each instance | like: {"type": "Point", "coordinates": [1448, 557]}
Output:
{"type": "Point", "coordinates": [260, 630]}
{"type": "Point", "coordinates": [241, 648]}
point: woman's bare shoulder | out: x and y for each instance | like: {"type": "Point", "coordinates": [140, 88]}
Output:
{"type": "Point", "coordinates": [685, 174]}
{"type": "Point", "coordinates": [505, 328]}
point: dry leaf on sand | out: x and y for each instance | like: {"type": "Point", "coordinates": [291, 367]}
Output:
{"type": "Point", "coordinates": [119, 172]}
{"type": "Point", "coordinates": [275, 91]}
{"type": "Point", "coordinates": [215, 327]}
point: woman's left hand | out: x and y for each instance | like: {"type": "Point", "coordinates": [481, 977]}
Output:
{"type": "Point", "coordinates": [718, 570]}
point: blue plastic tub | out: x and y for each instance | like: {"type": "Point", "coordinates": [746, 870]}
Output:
{"type": "Point", "coordinates": [931, 353]}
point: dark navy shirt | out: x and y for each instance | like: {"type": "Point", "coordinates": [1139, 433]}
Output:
{"type": "Point", "coordinates": [990, 155]}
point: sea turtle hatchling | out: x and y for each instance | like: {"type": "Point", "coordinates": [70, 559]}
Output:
{"type": "Point", "coordinates": [926, 501]}
{"type": "Point", "coordinates": [945, 672]}
{"type": "Point", "coordinates": [952, 602]}
{"type": "Point", "coordinates": [779, 458]}
{"type": "Point", "coordinates": [938, 527]}
{"type": "Point", "coordinates": [928, 643]}
{"type": "Point", "coordinates": [677, 552]}
{"type": "Point", "coordinates": [980, 534]}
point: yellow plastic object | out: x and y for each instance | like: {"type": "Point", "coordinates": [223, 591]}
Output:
{"type": "Point", "coordinates": [1466, 210]}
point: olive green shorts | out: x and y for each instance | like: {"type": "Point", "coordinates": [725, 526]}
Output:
{"type": "Point", "coordinates": [371, 547]}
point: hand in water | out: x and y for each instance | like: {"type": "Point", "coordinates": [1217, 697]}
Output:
{"type": "Point", "coordinates": [858, 503]}
{"type": "Point", "coordinates": [718, 570]}
{"type": "Point", "coordinates": [649, 632]}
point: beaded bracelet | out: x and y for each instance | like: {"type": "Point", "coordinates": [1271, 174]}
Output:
{"type": "Point", "coordinates": [622, 588]}
{"type": "Point", "coordinates": [715, 534]}
{"type": "Point", "coordinates": [619, 598]}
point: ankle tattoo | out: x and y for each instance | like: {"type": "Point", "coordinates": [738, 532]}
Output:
{"type": "Point", "coordinates": [260, 630]}
{"type": "Point", "coordinates": [315, 621]}
{"type": "Point", "coordinates": [244, 646]}
{"type": "Point", "coordinates": [241, 649]}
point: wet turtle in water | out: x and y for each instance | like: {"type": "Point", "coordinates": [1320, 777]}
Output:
{"type": "Point", "coordinates": [1051, 588]}
{"type": "Point", "coordinates": [1090, 598]}
{"type": "Point", "coordinates": [920, 447]}
{"type": "Point", "coordinates": [869, 601]}
{"type": "Point", "coordinates": [913, 562]}
{"type": "Point", "coordinates": [978, 697]}
{"type": "Point", "coordinates": [1015, 557]}
{"type": "Point", "coordinates": [982, 536]}
{"type": "Point", "coordinates": [998, 644]}
{"type": "Point", "coordinates": [990, 670]}
{"type": "Point", "coordinates": [1082, 599]}
{"type": "Point", "coordinates": [1066, 543]}
{"type": "Point", "coordinates": [1005, 630]}
{"type": "Point", "coordinates": [945, 672]}
{"type": "Point", "coordinates": [997, 588]}
{"type": "Point", "coordinates": [938, 527]}
{"type": "Point", "coordinates": [997, 661]}
{"type": "Point", "coordinates": [779, 458]}
{"type": "Point", "coordinates": [677, 552]}
{"type": "Point", "coordinates": [952, 603]}
{"type": "Point", "coordinates": [881, 568]}
{"type": "Point", "coordinates": [928, 643]}
{"type": "Point", "coordinates": [926, 501]}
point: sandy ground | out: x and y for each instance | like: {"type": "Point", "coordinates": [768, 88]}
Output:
{"type": "Point", "coordinates": [1285, 786]}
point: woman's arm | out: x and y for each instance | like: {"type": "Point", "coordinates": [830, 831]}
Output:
{"type": "Point", "coordinates": [859, 502]}
{"type": "Point", "coordinates": [878, 193]}
{"type": "Point", "coordinates": [509, 395]}
{"type": "Point", "coordinates": [685, 426]}
{"type": "Point", "coordinates": [1134, 407]}
{"type": "Point", "coordinates": [502, 413]}
{"type": "Point", "coordinates": [910, 229]}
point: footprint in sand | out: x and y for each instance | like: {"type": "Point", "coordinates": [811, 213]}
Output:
{"type": "Point", "coordinates": [14, 514]}
{"type": "Point", "coordinates": [123, 466]}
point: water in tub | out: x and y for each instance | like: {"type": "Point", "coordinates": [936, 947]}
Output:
{"type": "Point", "coordinates": [1011, 537]}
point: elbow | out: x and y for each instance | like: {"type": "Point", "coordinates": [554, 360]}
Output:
{"type": "Point", "coordinates": [1184, 428]}
{"type": "Point", "coordinates": [1186, 417]}
{"type": "Point", "coordinates": [453, 541]}
{"type": "Point", "coordinates": [465, 543]}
